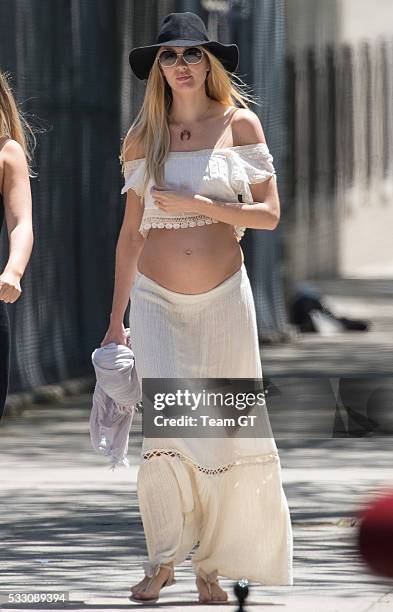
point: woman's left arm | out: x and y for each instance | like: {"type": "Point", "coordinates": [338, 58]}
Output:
{"type": "Point", "coordinates": [18, 215]}
{"type": "Point", "coordinates": [264, 212]}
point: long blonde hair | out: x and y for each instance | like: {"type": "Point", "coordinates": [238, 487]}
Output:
{"type": "Point", "coordinates": [13, 123]}
{"type": "Point", "coordinates": [150, 127]}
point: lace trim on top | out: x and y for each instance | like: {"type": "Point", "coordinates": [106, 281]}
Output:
{"type": "Point", "coordinates": [267, 458]}
{"type": "Point", "coordinates": [176, 222]}
{"type": "Point", "coordinates": [180, 222]}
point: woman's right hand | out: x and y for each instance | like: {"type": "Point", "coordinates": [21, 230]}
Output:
{"type": "Point", "coordinates": [115, 333]}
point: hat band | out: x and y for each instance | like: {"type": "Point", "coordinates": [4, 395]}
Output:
{"type": "Point", "coordinates": [164, 39]}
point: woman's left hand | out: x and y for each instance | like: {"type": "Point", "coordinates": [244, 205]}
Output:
{"type": "Point", "coordinates": [173, 202]}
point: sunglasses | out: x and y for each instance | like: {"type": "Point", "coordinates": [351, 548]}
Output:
{"type": "Point", "coordinates": [169, 58]}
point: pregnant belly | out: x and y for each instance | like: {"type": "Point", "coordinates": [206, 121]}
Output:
{"type": "Point", "coordinates": [192, 259]}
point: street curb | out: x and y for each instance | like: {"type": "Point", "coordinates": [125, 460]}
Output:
{"type": "Point", "coordinates": [16, 403]}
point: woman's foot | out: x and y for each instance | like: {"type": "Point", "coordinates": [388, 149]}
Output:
{"type": "Point", "coordinates": [210, 591]}
{"type": "Point", "coordinates": [140, 585]}
{"type": "Point", "coordinates": [148, 589]}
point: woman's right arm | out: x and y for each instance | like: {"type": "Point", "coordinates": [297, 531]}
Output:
{"type": "Point", "coordinates": [129, 246]}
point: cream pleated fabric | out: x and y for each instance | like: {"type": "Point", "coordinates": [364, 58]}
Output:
{"type": "Point", "coordinates": [220, 499]}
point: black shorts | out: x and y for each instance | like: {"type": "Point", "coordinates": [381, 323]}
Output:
{"type": "Point", "coordinates": [5, 343]}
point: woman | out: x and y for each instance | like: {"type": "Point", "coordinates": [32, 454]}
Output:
{"type": "Point", "coordinates": [16, 209]}
{"type": "Point", "coordinates": [188, 157]}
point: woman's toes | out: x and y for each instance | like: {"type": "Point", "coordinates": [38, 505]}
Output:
{"type": "Point", "coordinates": [139, 590]}
{"type": "Point", "coordinates": [142, 595]}
{"type": "Point", "coordinates": [138, 586]}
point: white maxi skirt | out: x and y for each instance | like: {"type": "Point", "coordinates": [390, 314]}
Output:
{"type": "Point", "coordinates": [219, 500]}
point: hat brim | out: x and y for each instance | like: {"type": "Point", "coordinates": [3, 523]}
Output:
{"type": "Point", "coordinates": [142, 58]}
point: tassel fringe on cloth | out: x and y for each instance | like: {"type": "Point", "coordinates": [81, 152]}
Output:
{"type": "Point", "coordinates": [219, 500]}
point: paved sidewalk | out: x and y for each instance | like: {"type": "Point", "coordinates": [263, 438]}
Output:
{"type": "Point", "coordinates": [71, 524]}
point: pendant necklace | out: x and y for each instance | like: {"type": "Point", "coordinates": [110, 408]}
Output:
{"type": "Point", "coordinates": [186, 134]}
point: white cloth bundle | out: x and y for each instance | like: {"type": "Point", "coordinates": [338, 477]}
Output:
{"type": "Point", "coordinates": [115, 399]}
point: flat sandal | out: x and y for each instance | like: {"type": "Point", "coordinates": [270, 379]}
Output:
{"type": "Point", "coordinates": [168, 582]}
{"type": "Point", "coordinates": [208, 580]}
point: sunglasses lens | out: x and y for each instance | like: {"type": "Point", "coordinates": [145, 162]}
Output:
{"type": "Point", "coordinates": [193, 55]}
{"type": "Point", "coordinates": [167, 58]}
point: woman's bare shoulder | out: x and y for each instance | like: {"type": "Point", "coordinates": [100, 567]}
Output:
{"type": "Point", "coordinates": [11, 152]}
{"type": "Point", "coordinates": [247, 128]}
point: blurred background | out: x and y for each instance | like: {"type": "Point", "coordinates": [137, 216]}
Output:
{"type": "Point", "coordinates": [323, 74]}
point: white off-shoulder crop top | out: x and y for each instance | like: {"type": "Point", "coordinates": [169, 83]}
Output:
{"type": "Point", "coordinates": [222, 174]}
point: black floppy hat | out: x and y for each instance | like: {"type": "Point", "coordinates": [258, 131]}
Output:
{"type": "Point", "coordinates": [182, 30]}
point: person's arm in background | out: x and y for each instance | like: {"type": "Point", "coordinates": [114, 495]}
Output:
{"type": "Point", "coordinates": [18, 216]}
